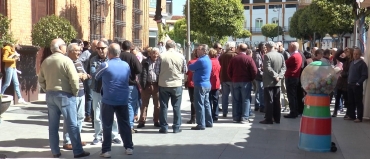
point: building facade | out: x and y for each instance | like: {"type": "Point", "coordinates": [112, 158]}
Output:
{"type": "Point", "coordinates": [116, 20]}
{"type": "Point", "coordinates": [260, 12]}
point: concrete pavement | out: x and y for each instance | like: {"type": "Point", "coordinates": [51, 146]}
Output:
{"type": "Point", "coordinates": [24, 134]}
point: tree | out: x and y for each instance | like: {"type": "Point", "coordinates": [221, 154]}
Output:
{"type": "Point", "coordinates": [6, 37]}
{"type": "Point", "coordinates": [243, 34]}
{"type": "Point", "coordinates": [216, 18]}
{"type": "Point", "coordinates": [51, 27]}
{"type": "Point", "coordinates": [304, 21]}
{"type": "Point", "coordinates": [295, 29]}
{"type": "Point", "coordinates": [271, 30]}
{"type": "Point", "coordinates": [171, 34]}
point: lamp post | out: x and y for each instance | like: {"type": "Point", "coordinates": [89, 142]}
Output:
{"type": "Point", "coordinates": [188, 52]}
{"type": "Point", "coordinates": [277, 9]}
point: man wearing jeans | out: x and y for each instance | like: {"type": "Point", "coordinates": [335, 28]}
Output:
{"type": "Point", "coordinates": [73, 52]}
{"type": "Point", "coordinates": [59, 78]}
{"type": "Point", "coordinates": [173, 67]}
{"type": "Point", "coordinates": [242, 71]}
{"type": "Point", "coordinates": [202, 86]}
{"type": "Point", "coordinates": [96, 86]}
{"type": "Point", "coordinates": [293, 66]}
{"type": "Point", "coordinates": [135, 67]}
{"type": "Point", "coordinates": [226, 84]}
{"type": "Point", "coordinates": [115, 76]}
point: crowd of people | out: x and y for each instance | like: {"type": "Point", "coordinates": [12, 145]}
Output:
{"type": "Point", "coordinates": [108, 83]}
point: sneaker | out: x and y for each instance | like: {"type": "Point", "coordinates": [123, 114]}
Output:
{"type": "Point", "coordinates": [105, 154]}
{"type": "Point", "coordinates": [21, 101]}
{"type": "Point", "coordinates": [129, 151]}
{"type": "Point", "coordinates": [116, 141]}
{"type": "Point", "coordinates": [96, 141]}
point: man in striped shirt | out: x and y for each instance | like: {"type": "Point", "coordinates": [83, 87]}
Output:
{"type": "Point", "coordinates": [73, 52]}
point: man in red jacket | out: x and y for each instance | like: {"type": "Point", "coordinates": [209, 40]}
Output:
{"type": "Point", "coordinates": [242, 70]}
{"type": "Point", "coordinates": [294, 66]}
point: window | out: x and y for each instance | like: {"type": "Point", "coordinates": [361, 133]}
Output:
{"type": "Point", "coordinates": [259, 1]}
{"type": "Point", "coordinates": [41, 8]}
{"type": "Point", "coordinates": [246, 7]}
{"type": "Point", "coordinates": [290, 6]}
{"type": "Point", "coordinates": [258, 7]}
{"type": "Point", "coordinates": [3, 7]}
{"type": "Point", "coordinates": [289, 19]}
{"type": "Point", "coordinates": [259, 23]}
{"type": "Point", "coordinates": [169, 8]}
{"type": "Point", "coordinates": [152, 3]}
{"type": "Point", "coordinates": [290, 0]}
{"type": "Point", "coordinates": [245, 1]}
{"type": "Point", "coordinates": [136, 23]}
{"type": "Point", "coordinates": [275, 0]}
{"type": "Point", "coordinates": [119, 23]}
{"type": "Point", "coordinates": [245, 23]}
{"type": "Point", "coordinates": [274, 6]}
{"type": "Point", "coordinates": [275, 20]}
{"type": "Point", "coordinates": [97, 18]}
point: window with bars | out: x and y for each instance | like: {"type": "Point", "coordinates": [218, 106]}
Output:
{"type": "Point", "coordinates": [137, 27]}
{"type": "Point", "coordinates": [97, 19]}
{"type": "Point", "coordinates": [119, 23]}
{"type": "Point", "coordinates": [3, 7]}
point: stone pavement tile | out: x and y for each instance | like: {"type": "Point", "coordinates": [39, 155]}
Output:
{"type": "Point", "coordinates": [232, 154]}
{"type": "Point", "coordinates": [325, 155]}
{"type": "Point", "coordinates": [293, 156]}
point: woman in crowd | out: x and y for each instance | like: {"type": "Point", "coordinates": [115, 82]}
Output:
{"type": "Point", "coordinates": [215, 82]}
{"type": "Point", "coordinates": [338, 97]}
{"type": "Point", "coordinates": [190, 85]}
{"type": "Point", "coordinates": [342, 83]}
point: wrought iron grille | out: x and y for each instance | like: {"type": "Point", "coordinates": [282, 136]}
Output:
{"type": "Point", "coordinates": [97, 19]}
{"type": "Point", "coordinates": [119, 23]}
{"type": "Point", "coordinates": [136, 21]}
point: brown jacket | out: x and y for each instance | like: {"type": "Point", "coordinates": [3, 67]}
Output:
{"type": "Point", "coordinates": [224, 60]}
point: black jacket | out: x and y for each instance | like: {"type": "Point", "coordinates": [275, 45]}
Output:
{"type": "Point", "coordinates": [134, 64]}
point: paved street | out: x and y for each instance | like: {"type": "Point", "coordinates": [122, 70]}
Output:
{"type": "Point", "coordinates": [24, 134]}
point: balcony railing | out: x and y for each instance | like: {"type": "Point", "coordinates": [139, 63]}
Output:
{"type": "Point", "coordinates": [259, 30]}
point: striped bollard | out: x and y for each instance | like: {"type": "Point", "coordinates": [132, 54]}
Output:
{"type": "Point", "coordinates": [315, 131]}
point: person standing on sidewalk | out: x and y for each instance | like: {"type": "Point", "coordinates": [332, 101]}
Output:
{"type": "Point", "coordinates": [202, 86]}
{"type": "Point", "coordinates": [96, 86]}
{"type": "Point", "coordinates": [59, 78]}
{"type": "Point", "coordinates": [226, 84]}
{"type": "Point", "coordinates": [115, 75]}
{"type": "Point", "coordinates": [73, 52]}
{"type": "Point", "coordinates": [149, 81]}
{"type": "Point", "coordinates": [273, 71]}
{"type": "Point", "coordinates": [215, 83]}
{"type": "Point", "coordinates": [259, 104]}
{"type": "Point", "coordinates": [284, 97]}
{"type": "Point", "coordinates": [242, 70]}
{"type": "Point", "coordinates": [294, 66]}
{"type": "Point", "coordinates": [136, 68]}
{"type": "Point", "coordinates": [173, 67]}
{"type": "Point", "coordinates": [190, 85]}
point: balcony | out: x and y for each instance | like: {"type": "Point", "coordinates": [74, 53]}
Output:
{"type": "Point", "coordinates": [258, 30]}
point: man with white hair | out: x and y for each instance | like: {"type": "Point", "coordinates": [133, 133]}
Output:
{"type": "Point", "coordinates": [273, 72]}
{"type": "Point", "coordinates": [292, 74]}
{"type": "Point", "coordinates": [226, 84]}
{"type": "Point", "coordinates": [149, 83]}
{"type": "Point", "coordinates": [286, 55]}
{"type": "Point", "coordinates": [73, 52]}
{"type": "Point", "coordinates": [59, 78]}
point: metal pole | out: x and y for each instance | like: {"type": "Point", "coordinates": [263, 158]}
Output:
{"type": "Point", "coordinates": [188, 30]}
{"type": "Point", "coordinates": [355, 30]}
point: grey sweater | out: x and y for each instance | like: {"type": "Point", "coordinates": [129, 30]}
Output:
{"type": "Point", "coordinates": [357, 72]}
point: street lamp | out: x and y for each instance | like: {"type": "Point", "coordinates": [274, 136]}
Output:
{"type": "Point", "coordinates": [277, 9]}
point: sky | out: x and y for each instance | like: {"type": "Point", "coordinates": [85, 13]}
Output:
{"type": "Point", "coordinates": [178, 7]}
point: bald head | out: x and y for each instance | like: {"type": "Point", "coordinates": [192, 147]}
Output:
{"type": "Point", "coordinates": [94, 44]}
{"type": "Point", "coordinates": [243, 47]}
{"type": "Point", "coordinates": [293, 47]}
{"type": "Point", "coordinates": [170, 44]}
{"type": "Point", "coordinates": [114, 50]}
{"type": "Point", "coordinates": [58, 45]}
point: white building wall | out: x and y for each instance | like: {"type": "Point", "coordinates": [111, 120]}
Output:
{"type": "Point", "coordinates": [258, 13]}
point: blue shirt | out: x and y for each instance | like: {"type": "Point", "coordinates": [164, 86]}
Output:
{"type": "Point", "coordinates": [115, 77]}
{"type": "Point", "coordinates": [202, 71]}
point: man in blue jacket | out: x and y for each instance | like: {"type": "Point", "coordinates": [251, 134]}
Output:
{"type": "Point", "coordinates": [115, 78]}
{"type": "Point", "coordinates": [202, 86]}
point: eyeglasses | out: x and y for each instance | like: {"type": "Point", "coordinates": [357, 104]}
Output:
{"type": "Point", "coordinates": [100, 48]}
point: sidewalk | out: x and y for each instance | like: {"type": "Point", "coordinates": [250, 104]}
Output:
{"type": "Point", "coordinates": [24, 134]}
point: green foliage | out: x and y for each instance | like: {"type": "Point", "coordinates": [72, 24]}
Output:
{"type": "Point", "coordinates": [271, 30]}
{"type": "Point", "coordinates": [304, 21]}
{"type": "Point", "coordinates": [294, 28]}
{"type": "Point", "coordinates": [51, 27]}
{"type": "Point", "coordinates": [6, 37]}
{"type": "Point", "coordinates": [243, 34]}
{"type": "Point", "coordinates": [171, 34]}
{"type": "Point", "coordinates": [216, 18]}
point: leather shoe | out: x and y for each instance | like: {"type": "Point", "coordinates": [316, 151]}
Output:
{"type": "Point", "coordinates": [163, 131]}
{"type": "Point", "coordinates": [140, 125]}
{"type": "Point", "coordinates": [156, 124]}
{"type": "Point", "coordinates": [83, 154]}
{"type": "Point", "coordinates": [266, 122]}
{"type": "Point", "coordinates": [177, 131]}
{"type": "Point", "coordinates": [197, 128]}
{"type": "Point", "coordinates": [67, 146]}
{"type": "Point", "coordinates": [191, 122]}
{"type": "Point", "coordinates": [88, 119]}
{"type": "Point", "coordinates": [57, 155]}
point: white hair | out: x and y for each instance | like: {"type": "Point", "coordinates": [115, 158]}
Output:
{"type": "Point", "coordinates": [55, 47]}
{"type": "Point", "coordinates": [156, 49]}
{"type": "Point", "coordinates": [70, 47]}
